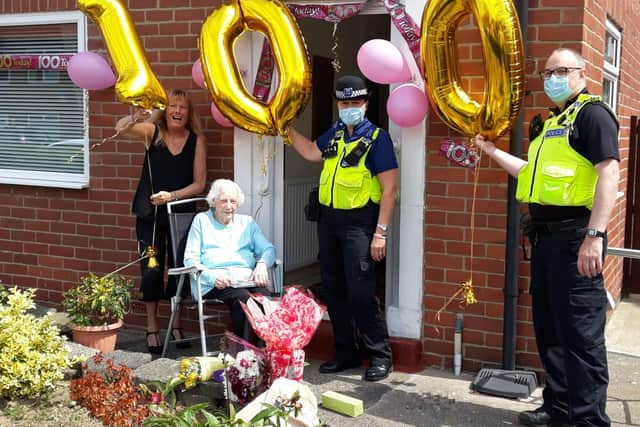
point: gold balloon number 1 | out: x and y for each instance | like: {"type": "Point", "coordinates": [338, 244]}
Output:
{"type": "Point", "coordinates": [499, 28]}
{"type": "Point", "coordinates": [137, 84]}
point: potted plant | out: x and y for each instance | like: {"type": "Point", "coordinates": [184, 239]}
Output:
{"type": "Point", "coordinates": [96, 308]}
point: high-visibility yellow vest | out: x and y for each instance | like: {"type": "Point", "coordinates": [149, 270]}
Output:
{"type": "Point", "coordinates": [348, 187]}
{"type": "Point", "coordinates": [556, 174]}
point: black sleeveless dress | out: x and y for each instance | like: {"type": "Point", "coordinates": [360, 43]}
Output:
{"type": "Point", "coordinates": [168, 173]}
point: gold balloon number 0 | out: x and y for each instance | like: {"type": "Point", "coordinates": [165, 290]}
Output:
{"type": "Point", "coordinates": [137, 84]}
{"type": "Point", "coordinates": [219, 34]}
{"type": "Point", "coordinates": [499, 28]}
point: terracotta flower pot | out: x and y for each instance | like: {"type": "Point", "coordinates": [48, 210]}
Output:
{"type": "Point", "coordinates": [101, 338]}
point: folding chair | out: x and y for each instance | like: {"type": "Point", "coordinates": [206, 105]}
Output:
{"type": "Point", "coordinates": [179, 225]}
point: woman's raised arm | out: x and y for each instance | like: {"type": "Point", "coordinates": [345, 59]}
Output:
{"type": "Point", "coordinates": [136, 125]}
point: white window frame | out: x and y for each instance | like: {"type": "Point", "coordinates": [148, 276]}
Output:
{"type": "Point", "coordinates": [52, 179]}
{"type": "Point", "coordinates": [611, 72]}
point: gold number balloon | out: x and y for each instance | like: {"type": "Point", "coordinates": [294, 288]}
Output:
{"type": "Point", "coordinates": [136, 84]}
{"type": "Point", "coordinates": [502, 47]}
{"type": "Point", "coordinates": [224, 81]}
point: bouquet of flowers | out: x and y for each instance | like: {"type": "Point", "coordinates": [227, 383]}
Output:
{"type": "Point", "coordinates": [194, 370]}
{"type": "Point", "coordinates": [286, 326]}
{"type": "Point", "coordinates": [287, 403]}
{"type": "Point", "coordinates": [247, 376]}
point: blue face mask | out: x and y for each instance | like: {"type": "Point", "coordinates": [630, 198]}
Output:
{"type": "Point", "coordinates": [351, 116]}
{"type": "Point", "coordinates": [558, 89]}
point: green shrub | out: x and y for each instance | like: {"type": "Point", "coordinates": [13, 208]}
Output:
{"type": "Point", "coordinates": [32, 352]}
{"type": "Point", "coordinates": [98, 300]}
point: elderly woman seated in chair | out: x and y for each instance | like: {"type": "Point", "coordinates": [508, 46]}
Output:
{"type": "Point", "coordinates": [233, 250]}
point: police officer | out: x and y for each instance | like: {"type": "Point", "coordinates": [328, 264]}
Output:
{"type": "Point", "coordinates": [356, 194]}
{"type": "Point", "coordinates": [570, 183]}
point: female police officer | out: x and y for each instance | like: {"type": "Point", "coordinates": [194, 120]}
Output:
{"type": "Point", "coordinates": [356, 194]}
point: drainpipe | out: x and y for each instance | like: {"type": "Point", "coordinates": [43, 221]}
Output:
{"type": "Point", "coordinates": [457, 345]}
{"type": "Point", "coordinates": [513, 226]}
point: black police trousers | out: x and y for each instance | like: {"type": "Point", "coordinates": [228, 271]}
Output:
{"type": "Point", "coordinates": [349, 282]}
{"type": "Point", "coordinates": [569, 314]}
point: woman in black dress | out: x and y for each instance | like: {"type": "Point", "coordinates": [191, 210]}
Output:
{"type": "Point", "coordinates": [174, 168]}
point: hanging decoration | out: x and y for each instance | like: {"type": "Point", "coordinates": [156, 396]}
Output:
{"type": "Point", "coordinates": [336, 13]}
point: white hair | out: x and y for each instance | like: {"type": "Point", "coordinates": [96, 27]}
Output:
{"type": "Point", "coordinates": [226, 185]}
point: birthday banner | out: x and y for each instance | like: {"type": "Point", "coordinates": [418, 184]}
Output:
{"type": "Point", "coordinates": [336, 13]}
{"type": "Point", "coordinates": [34, 62]}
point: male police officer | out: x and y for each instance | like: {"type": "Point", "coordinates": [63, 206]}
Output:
{"type": "Point", "coordinates": [570, 183]}
{"type": "Point", "coordinates": [357, 191]}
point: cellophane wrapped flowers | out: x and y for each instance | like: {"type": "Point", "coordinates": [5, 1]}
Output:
{"type": "Point", "coordinates": [248, 375]}
{"type": "Point", "coordinates": [194, 370]}
{"type": "Point", "coordinates": [286, 326]}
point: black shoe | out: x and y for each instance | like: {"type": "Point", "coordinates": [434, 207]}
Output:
{"type": "Point", "coordinates": [378, 371]}
{"type": "Point", "coordinates": [154, 349]}
{"type": "Point", "coordinates": [334, 366]}
{"type": "Point", "coordinates": [539, 417]}
{"type": "Point", "coordinates": [179, 336]}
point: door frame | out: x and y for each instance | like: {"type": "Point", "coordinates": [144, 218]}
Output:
{"type": "Point", "coordinates": [259, 170]}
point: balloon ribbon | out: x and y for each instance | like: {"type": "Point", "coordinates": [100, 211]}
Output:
{"type": "Point", "coordinates": [466, 291]}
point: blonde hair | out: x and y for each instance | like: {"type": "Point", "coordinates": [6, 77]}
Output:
{"type": "Point", "coordinates": [160, 116]}
{"type": "Point", "coordinates": [219, 185]}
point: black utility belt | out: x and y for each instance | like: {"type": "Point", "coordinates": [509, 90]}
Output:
{"type": "Point", "coordinates": [369, 206]}
{"type": "Point", "coordinates": [560, 226]}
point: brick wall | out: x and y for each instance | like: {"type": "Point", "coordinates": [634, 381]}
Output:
{"type": "Point", "coordinates": [576, 24]}
{"type": "Point", "coordinates": [50, 237]}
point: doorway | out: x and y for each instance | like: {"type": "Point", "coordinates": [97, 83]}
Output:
{"type": "Point", "coordinates": [259, 168]}
{"type": "Point", "coordinates": [300, 176]}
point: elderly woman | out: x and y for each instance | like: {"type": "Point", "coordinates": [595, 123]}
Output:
{"type": "Point", "coordinates": [174, 168]}
{"type": "Point", "coordinates": [232, 249]}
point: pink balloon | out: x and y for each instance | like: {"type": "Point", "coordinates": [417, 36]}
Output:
{"type": "Point", "coordinates": [197, 74]}
{"type": "Point", "coordinates": [407, 105]}
{"type": "Point", "coordinates": [91, 71]}
{"type": "Point", "coordinates": [219, 118]}
{"type": "Point", "coordinates": [381, 62]}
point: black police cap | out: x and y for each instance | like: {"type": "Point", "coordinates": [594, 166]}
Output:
{"type": "Point", "coordinates": [351, 88]}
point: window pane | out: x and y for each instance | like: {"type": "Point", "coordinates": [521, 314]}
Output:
{"type": "Point", "coordinates": [42, 118]}
{"type": "Point", "coordinates": [611, 50]}
{"type": "Point", "coordinates": [607, 92]}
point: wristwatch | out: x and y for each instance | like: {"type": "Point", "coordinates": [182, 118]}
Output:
{"type": "Point", "coordinates": [592, 232]}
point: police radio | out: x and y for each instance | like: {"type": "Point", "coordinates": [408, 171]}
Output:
{"type": "Point", "coordinates": [355, 155]}
{"type": "Point", "coordinates": [331, 151]}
